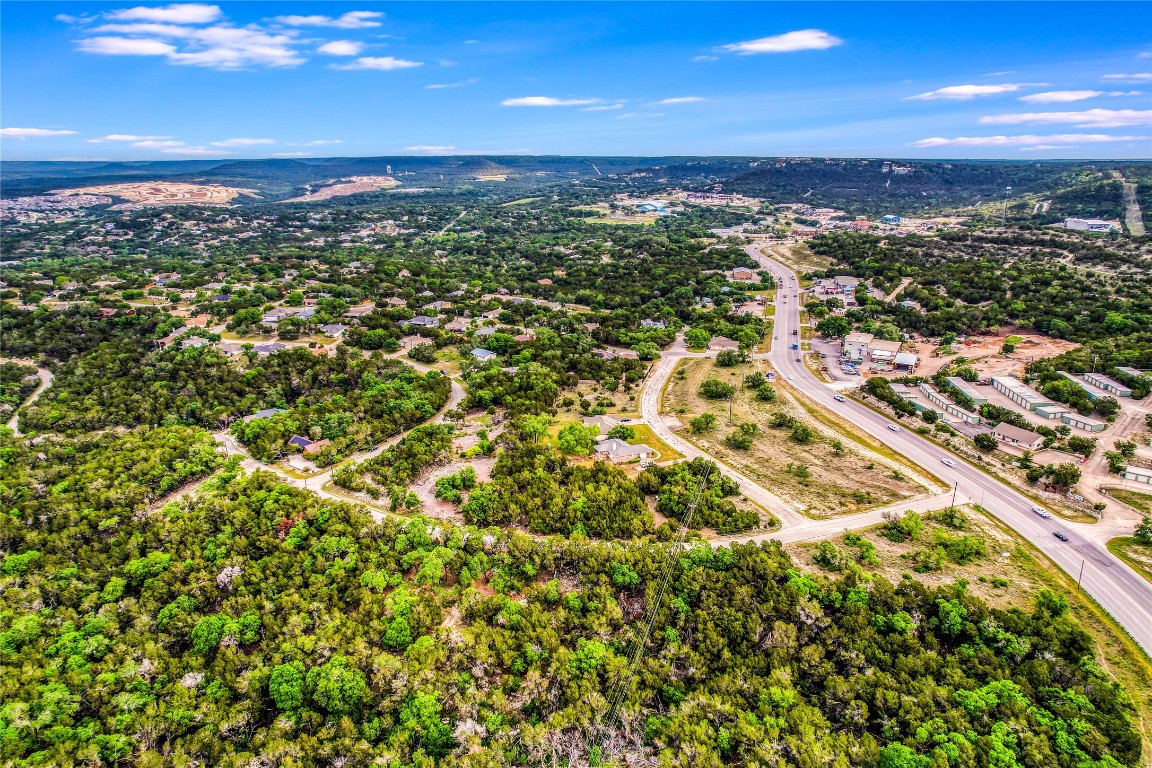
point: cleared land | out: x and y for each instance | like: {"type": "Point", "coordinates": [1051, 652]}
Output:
{"type": "Point", "coordinates": [830, 475]}
{"type": "Point", "coordinates": [353, 185]}
{"type": "Point", "coordinates": [165, 193]}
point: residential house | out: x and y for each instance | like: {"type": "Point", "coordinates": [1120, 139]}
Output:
{"type": "Point", "coordinates": [483, 355]}
{"type": "Point", "coordinates": [408, 342]}
{"type": "Point", "coordinates": [335, 330]}
{"type": "Point", "coordinates": [269, 349]}
{"type": "Point", "coordinates": [721, 343]}
{"type": "Point", "coordinates": [265, 413]}
{"type": "Point", "coordinates": [422, 321]}
{"type": "Point", "coordinates": [604, 423]}
{"type": "Point", "coordinates": [1022, 438]}
{"type": "Point", "coordinates": [619, 452]}
{"type": "Point", "coordinates": [652, 323]}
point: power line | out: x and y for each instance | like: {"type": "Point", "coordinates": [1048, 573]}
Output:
{"type": "Point", "coordinates": [602, 731]}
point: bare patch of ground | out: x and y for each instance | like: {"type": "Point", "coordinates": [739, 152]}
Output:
{"type": "Point", "coordinates": [165, 193]}
{"type": "Point", "coordinates": [828, 476]}
{"type": "Point", "coordinates": [352, 185]}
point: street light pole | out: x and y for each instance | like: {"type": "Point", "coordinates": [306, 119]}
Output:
{"type": "Point", "coordinates": [955, 488]}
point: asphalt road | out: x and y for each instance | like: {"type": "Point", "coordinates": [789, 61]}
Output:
{"type": "Point", "coordinates": [1120, 590]}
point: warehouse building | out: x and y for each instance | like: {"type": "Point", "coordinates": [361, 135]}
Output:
{"type": "Point", "coordinates": [1083, 422]}
{"type": "Point", "coordinates": [1051, 411]}
{"type": "Point", "coordinates": [1020, 393]}
{"type": "Point", "coordinates": [1108, 384]}
{"type": "Point", "coordinates": [856, 345]}
{"type": "Point", "coordinates": [975, 395]}
{"type": "Point", "coordinates": [1138, 475]}
{"type": "Point", "coordinates": [943, 404]}
{"type": "Point", "coordinates": [1092, 392]}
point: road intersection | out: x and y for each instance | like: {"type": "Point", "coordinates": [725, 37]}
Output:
{"type": "Point", "coordinates": [1125, 594]}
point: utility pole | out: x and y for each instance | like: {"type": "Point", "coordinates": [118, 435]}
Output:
{"type": "Point", "coordinates": [1004, 214]}
{"type": "Point", "coordinates": [1081, 576]}
{"type": "Point", "coordinates": [955, 488]}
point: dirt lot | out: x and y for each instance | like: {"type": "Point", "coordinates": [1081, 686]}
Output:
{"type": "Point", "coordinates": [798, 257]}
{"type": "Point", "coordinates": [352, 185]}
{"type": "Point", "coordinates": [165, 193]}
{"type": "Point", "coordinates": [984, 353]}
{"type": "Point", "coordinates": [815, 478]}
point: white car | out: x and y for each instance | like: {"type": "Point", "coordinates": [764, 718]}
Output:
{"type": "Point", "coordinates": [948, 462]}
{"type": "Point", "coordinates": [1042, 512]}
{"type": "Point", "coordinates": [893, 428]}
{"type": "Point", "coordinates": [838, 398]}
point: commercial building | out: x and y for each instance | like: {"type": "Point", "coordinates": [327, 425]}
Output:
{"type": "Point", "coordinates": [1020, 393]}
{"type": "Point", "coordinates": [856, 345]}
{"type": "Point", "coordinates": [1073, 419]}
{"type": "Point", "coordinates": [973, 394]}
{"type": "Point", "coordinates": [883, 351]}
{"type": "Point", "coordinates": [1022, 438]}
{"type": "Point", "coordinates": [1108, 384]}
{"type": "Point", "coordinates": [1138, 475]}
{"type": "Point", "coordinates": [1090, 225]}
{"type": "Point", "coordinates": [906, 360]}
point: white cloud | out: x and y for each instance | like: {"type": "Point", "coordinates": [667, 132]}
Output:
{"type": "Point", "coordinates": [430, 148]}
{"type": "Point", "coordinates": [289, 154]}
{"type": "Point", "coordinates": [126, 137]}
{"type": "Point", "coordinates": [705, 58]}
{"type": "Point", "coordinates": [195, 151]}
{"type": "Point", "coordinates": [1135, 77]}
{"type": "Point", "coordinates": [220, 46]}
{"type": "Point", "coordinates": [545, 101]}
{"type": "Point", "coordinates": [602, 107]}
{"type": "Point", "coordinates": [1040, 147]}
{"type": "Point", "coordinates": [460, 84]}
{"type": "Point", "coordinates": [31, 133]}
{"type": "Point", "coordinates": [126, 46]}
{"type": "Point", "coordinates": [631, 115]}
{"type": "Point", "coordinates": [1089, 118]}
{"type": "Point", "coordinates": [242, 142]}
{"type": "Point", "coordinates": [965, 92]}
{"type": "Point", "coordinates": [315, 143]}
{"type": "Point", "coordinates": [1009, 141]}
{"type": "Point", "coordinates": [384, 63]}
{"type": "Point", "coordinates": [800, 40]}
{"type": "Point", "coordinates": [341, 48]}
{"type": "Point", "coordinates": [1060, 97]}
{"type": "Point", "coordinates": [350, 20]}
{"type": "Point", "coordinates": [177, 13]}
{"type": "Point", "coordinates": [681, 100]}
{"type": "Point", "coordinates": [157, 144]}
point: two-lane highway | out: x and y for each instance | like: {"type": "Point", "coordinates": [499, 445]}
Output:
{"type": "Point", "coordinates": [1120, 590]}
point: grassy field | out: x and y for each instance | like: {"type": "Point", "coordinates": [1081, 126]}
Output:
{"type": "Point", "coordinates": [1137, 555]}
{"type": "Point", "coordinates": [830, 474]}
{"type": "Point", "coordinates": [799, 258]}
{"type": "Point", "coordinates": [1138, 501]}
{"type": "Point", "coordinates": [1010, 575]}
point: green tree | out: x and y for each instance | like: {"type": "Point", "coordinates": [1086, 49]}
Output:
{"type": "Point", "coordinates": [697, 338]}
{"type": "Point", "coordinates": [286, 685]}
{"type": "Point", "coordinates": [577, 439]}
{"type": "Point", "coordinates": [337, 686]}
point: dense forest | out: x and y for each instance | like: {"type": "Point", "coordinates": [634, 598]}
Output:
{"type": "Point", "coordinates": [1077, 288]}
{"type": "Point", "coordinates": [254, 624]}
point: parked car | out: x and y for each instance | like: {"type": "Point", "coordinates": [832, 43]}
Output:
{"type": "Point", "coordinates": [1060, 535]}
{"type": "Point", "coordinates": [625, 421]}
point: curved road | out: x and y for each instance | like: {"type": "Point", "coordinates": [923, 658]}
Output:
{"type": "Point", "coordinates": [1119, 589]}
{"type": "Point", "coordinates": [45, 377]}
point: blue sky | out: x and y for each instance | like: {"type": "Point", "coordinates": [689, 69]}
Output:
{"type": "Point", "coordinates": [123, 81]}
